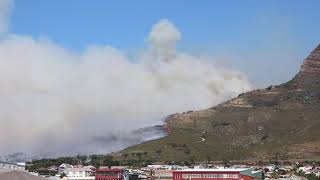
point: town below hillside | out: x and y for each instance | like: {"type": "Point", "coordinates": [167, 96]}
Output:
{"type": "Point", "coordinates": [105, 168]}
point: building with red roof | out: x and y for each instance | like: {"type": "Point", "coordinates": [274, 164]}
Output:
{"type": "Point", "coordinates": [111, 174]}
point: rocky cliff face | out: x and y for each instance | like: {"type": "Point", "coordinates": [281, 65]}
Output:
{"type": "Point", "coordinates": [309, 74]}
{"type": "Point", "coordinates": [312, 63]}
{"type": "Point", "coordinates": [281, 121]}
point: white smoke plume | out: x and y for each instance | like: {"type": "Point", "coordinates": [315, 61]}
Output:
{"type": "Point", "coordinates": [5, 10]}
{"type": "Point", "coordinates": [163, 38]}
{"type": "Point", "coordinates": [57, 101]}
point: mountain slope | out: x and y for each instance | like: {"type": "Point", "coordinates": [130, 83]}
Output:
{"type": "Point", "coordinates": [277, 122]}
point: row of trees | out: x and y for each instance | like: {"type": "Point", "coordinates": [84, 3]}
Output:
{"type": "Point", "coordinates": [95, 160]}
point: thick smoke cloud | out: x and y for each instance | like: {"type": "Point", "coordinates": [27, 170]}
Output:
{"type": "Point", "coordinates": [5, 9]}
{"type": "Point", "coordinates": [58, 102]}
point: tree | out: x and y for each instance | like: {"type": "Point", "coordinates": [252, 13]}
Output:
{"type": "Point", "coordinates": [226, 162]}
{"type": "Point", "coordinates": [312, 176]}
{"type": "Point", "coordinates": [107, 160]}
{"type": "Point", "coordinates": [81, 158]}
{"type": "Point", "coordinates": [159, 151]}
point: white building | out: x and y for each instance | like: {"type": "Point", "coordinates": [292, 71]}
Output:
{"type": "Point", "coordinates": [79, 174]}
{"type": "Point", "coordinates": [9, 166]}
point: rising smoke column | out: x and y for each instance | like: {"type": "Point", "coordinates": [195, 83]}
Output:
{"type": "Point", "coordinates": [163, 38]}
{"type": "Point", "coordinates": [57, 101]}
{"type": "Point", "coordinates": [5, 10]}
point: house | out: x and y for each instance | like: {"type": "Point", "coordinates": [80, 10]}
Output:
{"type": "Point", "coordinates": [63, 167]}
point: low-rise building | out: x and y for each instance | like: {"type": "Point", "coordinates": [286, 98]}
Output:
{"type": "Point", "coordinates": [162, 174]}
{"type": "Point", "coordinates": [79, 174]}
{"type": "Point", "coordinates": [63, 167]}
{"type": "Point", "coordinates": [221, 173]}
{"type": "Point", "coordinates": [111, 174]}
{"type": "Point", "coordinates": [9, 166]}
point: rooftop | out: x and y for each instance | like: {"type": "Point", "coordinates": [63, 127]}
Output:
{"type": "Point", "coordinates": [78, 169]}
{"type": "Point", "coordinates": [109, 170]}
{"type": "Point", "coordinates": [215, 170]}
{"type": "Point", "coordinates": [11, 163]}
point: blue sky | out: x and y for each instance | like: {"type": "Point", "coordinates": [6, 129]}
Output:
{"type": "Point", "coordinates": [267, 40]}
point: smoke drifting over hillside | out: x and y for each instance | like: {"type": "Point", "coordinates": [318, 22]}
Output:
{"type": "Point", "coordinates": [57, 101]}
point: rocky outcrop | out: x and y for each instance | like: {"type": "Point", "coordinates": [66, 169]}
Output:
{"type": "Point", "coordinates": [312, 63]}
{"type": "Point", "coordinates": [308, 77]}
